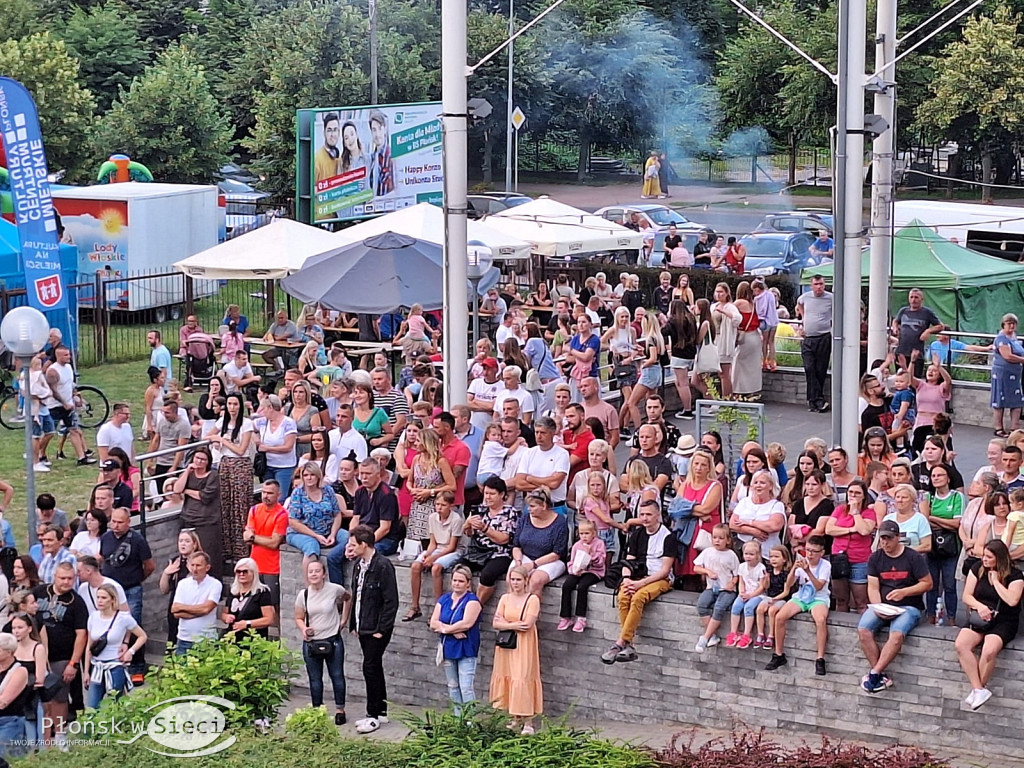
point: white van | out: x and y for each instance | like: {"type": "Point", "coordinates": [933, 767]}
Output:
{"type": "Point", "coordinates": [995, 230]}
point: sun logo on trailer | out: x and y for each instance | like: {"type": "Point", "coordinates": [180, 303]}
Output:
{"type": "Point", "coordinates": [112, 221]}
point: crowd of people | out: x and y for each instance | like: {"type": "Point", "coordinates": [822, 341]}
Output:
{"type": "Point", "coordinates": [522, 486]}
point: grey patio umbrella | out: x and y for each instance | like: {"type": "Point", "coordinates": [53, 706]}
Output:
{"type": "Point", "coordinates": [378, 275]}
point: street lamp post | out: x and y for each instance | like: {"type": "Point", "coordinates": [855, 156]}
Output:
{"type": "Point", "coordinates": [478, 264]}
{"type": "Point", "coordinates": [24, 331]}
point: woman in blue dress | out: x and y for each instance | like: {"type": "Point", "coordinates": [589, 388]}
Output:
{"type": "Point", "coordinates": [1007, 367]}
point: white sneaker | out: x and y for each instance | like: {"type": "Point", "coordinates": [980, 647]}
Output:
{"type": "Point", "coordinates": [980, 697]}
{"type": "Point", "coordinates": [369, 725]}
{"type": "Point", "coordinates": [713, 641]}
{"type": "Point", "coordinates": [968, 699]}
{"type": "Point", "coordinates": [702, 645]}
{"type": "Point", "coordinates": [40, 467]}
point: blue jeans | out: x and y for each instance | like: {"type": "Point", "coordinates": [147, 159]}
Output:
{"type": "Point", "coordinates": [944, 568]}
{"type": "Point", "coordinates": [133, 596]}
{"type": "Point", "coordinates": [310, 547]}
{"type": "Point", "coordinates": [33, 728]}
{"type": "Point", "coordinates": [741, 607]}
{"type": "Point", "coordinates": [460, 674]}
{"type": "Point", "coordinates": [283, 475]}
{"type": "Point", "coordinates": [904, 623]}
{"type": "Point", "coordinates": [610, 538]}
{"type": "Point", "coordinates": [386, 547]}
{"type": "Point", "coordinates": [96, 691]}
{"type": "Point", "coordinates": [183, 647]}
{"type": "Point", "coordinates": [12, 729]}
{"type": "Point", "coordinates": [715, 604]}
{"type": "Point", "coordinates": [335, 669]}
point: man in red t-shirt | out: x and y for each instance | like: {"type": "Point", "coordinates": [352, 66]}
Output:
{"type": "Point", "coordinates": [576, 439]}
{"type": "Point", "coordinates": [457, 453]}
{"type": "Point", "coordinates": [265, 530]}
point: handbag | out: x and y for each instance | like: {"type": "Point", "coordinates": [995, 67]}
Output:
{"type": "Point", "coordinates": [980, 625]}
{"type": "Point", "coordinates": [509, 638]}
{"type": "Point", "coordinates": [841, 568]}
{"type": "Point", "coordinates": [318, 649]}
{"type": "Point", "coordinates": [708, 360]}
{"type": "Point", "coordinates": [702, 540]}
{"type": "Point", "coordinates": [945, 544]}
{"type": "Point", "coordinates": [52, 685]}
{"type": "Point", "coordinates": [97, 646]}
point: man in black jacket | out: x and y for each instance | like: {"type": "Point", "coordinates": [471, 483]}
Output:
{"type": "Point", "coordinates": [373, 618]}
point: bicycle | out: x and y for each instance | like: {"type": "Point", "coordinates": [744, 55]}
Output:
{"type": "Point", "coordinates": [92, 405]}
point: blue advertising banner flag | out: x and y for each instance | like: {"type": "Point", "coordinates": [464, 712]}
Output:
{"type": "Point", "coordinates": [30, 195]}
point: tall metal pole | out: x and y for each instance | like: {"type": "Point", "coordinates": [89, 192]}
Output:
{"type": "Point", "coordinates": [510, 105]}
{"type": "Point", "coordinates": [455, 152]}
{"type": "Point", "coordinates": [30, 452]}
{"type": "Point", "coordinates": [883, 151]}
{"type": "Point", "coordinates": [373, 51]}
{"type": "Point", "coordinates": [838, 205]}
{"type": "Point", "coordinates": [853, 218]}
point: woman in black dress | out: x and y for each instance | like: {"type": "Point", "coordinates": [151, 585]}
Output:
{"type": "Point", "coordinates": [992, 595]}
{"type": "Point", "coordinates": [249, 606]}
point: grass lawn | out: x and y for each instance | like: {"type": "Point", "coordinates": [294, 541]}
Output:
{"type": "Point", "coordinates": [70, 484]}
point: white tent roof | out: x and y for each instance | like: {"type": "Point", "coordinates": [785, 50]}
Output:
{"type": "Point", "coordinates": [559, 230]}
{"type": "Point", "coordinates": [426, 222]}
{"type": "Point", "coordinates": [269, 252]}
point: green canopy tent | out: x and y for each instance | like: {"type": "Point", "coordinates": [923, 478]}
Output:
{"type": "Point", "coordinates": [968, 290]}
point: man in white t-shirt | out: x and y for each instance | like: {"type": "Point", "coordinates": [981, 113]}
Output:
{"type": "Point", "coordinates": [90, 580]}
{"type": "Point", "coordinates": [512, 388]}
{"type": "Point", "coordinates": [117, 433]}
{"type": "Point", "coordinates": [344, 439]}
{"type": "Point", "coordinates": [195, 604]}
{"type": "Point", "coordinates": [239, 373]}
{"type": "Point", "coordinates": [546, 465]}
{"type": "Point", "coordinates": [482, 392]}
{"type": "Point", "coordinates": [505, 331]}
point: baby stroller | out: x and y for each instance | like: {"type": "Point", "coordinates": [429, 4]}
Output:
{"type": "Point", "coordinates": [200, 361]}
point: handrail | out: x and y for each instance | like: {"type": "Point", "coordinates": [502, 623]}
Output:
{"type": "Point", "coordinates": [142, 458]}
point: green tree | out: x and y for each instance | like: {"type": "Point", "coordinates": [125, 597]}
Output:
{"type": "Point", "coordinates": [169, 121]}
{"type": "Point", "coordinates": [978, 91]}
{"type": "Point", "coordinates": [106, 41]}
{"type": "Point", "coordinates": [43, 65]}
{"type": "Point", "coordinates": [20, 19]}
{"type": "Point", "coordinates": [162, 22]}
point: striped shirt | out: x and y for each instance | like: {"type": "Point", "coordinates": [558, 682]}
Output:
{"type": "Point", "coordinates": [394, 405]}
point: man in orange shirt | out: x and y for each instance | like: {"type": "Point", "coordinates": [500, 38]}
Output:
{"type": "Point", "coordinates": [265, 530]}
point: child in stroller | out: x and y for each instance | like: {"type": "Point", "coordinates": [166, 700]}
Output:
{"type": "Point", "coordinates": [200, 360]}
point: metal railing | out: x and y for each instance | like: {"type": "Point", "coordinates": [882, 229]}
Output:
{"type": "Point", "coordinates": [142, 458]}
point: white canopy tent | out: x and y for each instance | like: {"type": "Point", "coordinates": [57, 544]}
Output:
{"type": "Point", "coordinates": [425, 221]}
{"type": "Point", "coordinates": [558, 230]}
{"type": "Point", "coordinates": [267, 253]}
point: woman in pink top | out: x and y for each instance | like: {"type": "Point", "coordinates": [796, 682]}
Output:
{"type": "Point", "coordinates": [700, 487]}
{"type": "Point", "coordinates": [932, 393]}
{"type": "Point", "coordinates": [405, 458]}
{"type": "Point", "coordinates": [851, 528]}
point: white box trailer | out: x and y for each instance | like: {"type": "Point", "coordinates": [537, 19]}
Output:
{"type": "Point", "coordinates": [995, 230]}
{"type": "Point", "coordinates": [133, 228]}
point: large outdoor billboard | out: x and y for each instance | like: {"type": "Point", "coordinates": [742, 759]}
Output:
{"type": "Point", "coordinates": [356, 162]}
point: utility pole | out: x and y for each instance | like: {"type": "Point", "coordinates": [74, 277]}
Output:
{"type": "Point", "coordinates": [455, 121]}
{"type": "Point", "coordinates": [373, 51]}
{"type": "Point", "coordinates": [510, 106]}
{"type": "Point", "coordinates": [883, 190]}
{"type": "Point", "coordinates": [849, 212]}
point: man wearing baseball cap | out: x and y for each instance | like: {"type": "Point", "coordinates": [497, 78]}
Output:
{"type": "Point", "coordinates": [898, 578]}
{"type": "Point", "coordinates": [482, 394]}
{"type": "Point", "coordinates": [110, 470]}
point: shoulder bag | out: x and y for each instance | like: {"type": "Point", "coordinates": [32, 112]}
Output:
{"type": "Point", "coordinates": [945, 543]}
{"type": "Point", "coordinates": [509, 638]}
{"type": "Point", "coordinates": [97, 646]}
{"type": "Point", "coordinates": [52, 685]}
{"type": "Point", "coordinates": [259, 460]}
{"type": "Point", "coordinates": [708, 359]}
{"type": "Point", "coordinates": [318, 649]}
{"type": "Point", "coordinates": [980, 625]}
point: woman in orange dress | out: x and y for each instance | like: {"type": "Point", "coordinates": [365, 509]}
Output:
{"type": "Point", "coordinates": [515, 680]}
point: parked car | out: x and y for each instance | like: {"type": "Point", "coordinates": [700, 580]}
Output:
{"type": "Point", "coordinates": [485, 203]}
{"type": "Point", "coordinates": [797, 221]}
{"type": "Point", "coordinates": [659, 218]}
{"type": "Point", "coordinates": [779, 253]}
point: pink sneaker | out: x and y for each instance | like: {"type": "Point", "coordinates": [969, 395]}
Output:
{"type": "Point", "coordinates": [564, 624]}
{"type": "Point", "coordinates": [744, 642]}
{"type": "Point", "coordinates": [580, 625]}
{"type": "Point", "coordinates": [760, 642]}
{"type": "Point", "coordinates": [731, 639]}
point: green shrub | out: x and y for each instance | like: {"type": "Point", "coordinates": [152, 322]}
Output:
{"type": "Point", "coordinates": [311, 725]}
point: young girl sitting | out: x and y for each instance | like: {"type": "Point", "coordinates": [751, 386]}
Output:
{"type": "Point", "coordinates": [774, 596]}
{"type": "Point", "coordinates": [445, 526]}
{"type": "Point", "coordinates": [596, 509]}
{"type": "Point", "coordinates": [718, 565]}
{"type": "Point", "coordinates": [751, 589]}
{"type": "Point", "coordinates": [586, 568]}
{"type": "Point", "coordinates": [812, 575]}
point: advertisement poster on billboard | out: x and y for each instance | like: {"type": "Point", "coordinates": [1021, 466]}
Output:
{"type": "Point", "coordinates": [372, 160]}
{"type": "Point", "coordinates": [99, 229]}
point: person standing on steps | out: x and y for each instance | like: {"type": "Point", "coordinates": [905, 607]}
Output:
{"type": "Point", "coordinates": [373, 619]}
{"type": "Point", "coordinates": [815, 310]}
